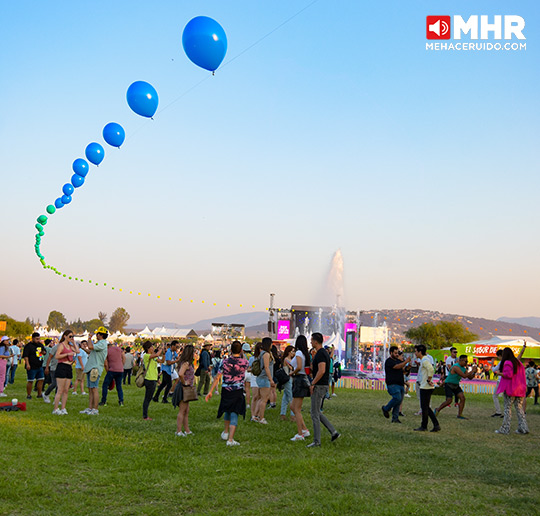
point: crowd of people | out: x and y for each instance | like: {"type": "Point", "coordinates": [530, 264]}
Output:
{"type": "Point", "coordinates": [248, 378]}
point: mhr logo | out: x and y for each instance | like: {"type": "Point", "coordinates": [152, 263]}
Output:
{"type": "Point", "coordinates": [439, 27]}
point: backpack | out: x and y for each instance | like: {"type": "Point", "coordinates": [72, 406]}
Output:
{"type": "Point", "coordinates": [256, 368]}
{"type": "Point", "coordinates": [141, 374]}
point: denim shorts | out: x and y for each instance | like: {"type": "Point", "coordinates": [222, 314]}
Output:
{"type": "Point", "coordinates": [92, 385]}
{"type": "Point", "coordinates": [263, 382]}
{"type": "Point", "coordinates": [35, 374]}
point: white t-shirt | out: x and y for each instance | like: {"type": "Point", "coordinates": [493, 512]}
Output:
{"type": "Point", "coordinates": [16, 352]}
{"type": "Point", "coordinates": [299, 360]}
{"type": "Point", "coordinates": [450, 362]}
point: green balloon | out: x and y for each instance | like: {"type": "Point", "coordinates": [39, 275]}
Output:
{"type": "Point", "coordinates": [69, 277]}
{"type": "Point", "coordinates": [41, 233]}
{"type": "Point", "coordinates": [51, 209]}
{"type": "Point", "coordinates": [42, 219]}
{"type": "Point", "coordinates": [39, 227]}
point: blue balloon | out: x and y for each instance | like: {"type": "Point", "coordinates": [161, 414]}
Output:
{"type": "Point", "coordinates": [67, 189]}
{"type": "Point", "coordinates": [114, 134]}
{"type": "Point", "coordinates": [66, 199]}
{"type": "Point", "coordinates": [77, 180]}
{"type": "Point", "coordinates": [142, 98]}
{"type": "Point", "coordinates": [80, 167]}
{"type": "Point", "coordinates": [58, 203]}
{"type": "Point", "coordinates": [205, 42]}
{"type": "Point", "coordinates": [94, 153]}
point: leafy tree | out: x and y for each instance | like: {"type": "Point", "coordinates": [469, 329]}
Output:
{"type": "Point", "coordinates": [93, 325]}
{"type": "Point", "coordinates": [17, 329]}
{"type": "Point", "coordinates": [57, 321]}
{"type": "Point", "coordinates": [440, 335]}
{"type": "Point", "coordinates": [102, 316]}
{"type": "Point", "coordinates": [119, 319]}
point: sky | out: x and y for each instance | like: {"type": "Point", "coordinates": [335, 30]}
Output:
{"type": "Point", "coordinates": [334, 130]}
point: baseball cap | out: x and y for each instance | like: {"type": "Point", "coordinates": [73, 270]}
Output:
{"type": "Point", "coordinates": [5, 337]}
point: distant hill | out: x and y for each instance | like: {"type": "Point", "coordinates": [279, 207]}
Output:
{"type": "Point", "coordinates": [526, 321]}
{"type": "Point", "coordinates": [249, 319]}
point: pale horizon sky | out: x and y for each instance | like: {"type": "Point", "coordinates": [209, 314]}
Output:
{"type": "Point", "coordinates": [337, 131]}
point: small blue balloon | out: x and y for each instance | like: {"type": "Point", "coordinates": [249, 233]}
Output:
{"type": "Point", "coordinates": [114, 134]}
{"type": "Point", "coordinates": [58, 203]}
{"type": "Point", "coordinates": [77, 180]}
{"type": "Point", "coordinates": [205, 42]}
{"type": "Point", "coordinates": [67, 189]}
{"type": "Point", "coordinates": [94, 153]}
{"type": "Point", "coordinates": [80, 167]}
{"type": "Point", "coordinates": [142, 98]}
{"type": "Point", "coordinates": [66, 199]}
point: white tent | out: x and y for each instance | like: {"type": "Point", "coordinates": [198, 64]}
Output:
{"type": "Point", "coordinates": [209, 338]}
{"type": "Point", "coordinates": [146, 332]}
{"type": "Point", "coordinates": [337, 343]}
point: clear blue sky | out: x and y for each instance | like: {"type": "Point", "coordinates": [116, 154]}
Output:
{"type": "Point", "coordinates": [339, 130]}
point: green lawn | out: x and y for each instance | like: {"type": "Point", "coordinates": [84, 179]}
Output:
{"type": "Point", "coordinates": [118, 464]}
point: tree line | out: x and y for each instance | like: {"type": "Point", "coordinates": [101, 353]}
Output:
{"type": "Point", "coordinates": [117, 322]}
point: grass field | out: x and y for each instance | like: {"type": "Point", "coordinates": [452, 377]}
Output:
{"type": "Point", "coordinates": [116, 463]}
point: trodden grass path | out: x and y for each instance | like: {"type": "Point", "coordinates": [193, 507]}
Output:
{"type": "Point", "coordinates": [118, 464]}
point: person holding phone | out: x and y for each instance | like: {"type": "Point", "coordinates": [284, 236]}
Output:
{"type": "Point", "coordinates": [65, 353]}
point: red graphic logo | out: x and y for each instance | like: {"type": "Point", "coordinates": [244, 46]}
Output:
{"type": "Point", "coordinates": [438, 27]}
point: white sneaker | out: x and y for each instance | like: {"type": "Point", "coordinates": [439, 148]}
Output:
{"type": "Point", "coordinates": [407, 395]}
{"type": "Point", "coordinates": [84, 394]}
{"type": "Point", "coordinates": [247, 406]}
{"type": "Point", "coordinates": [85, 411]}
{"type": "Point", "coordinates": [298, 437]}
{"type": "Point", "coordinates": [3, 395]}
{"type": "Point", "coordinates": [224, 435]}
{"type": "Point", "coordinates": [305, 433]}
{"type": "Point", "coordinates": [46, 399]}
{"type": "Point", "coordinates": [263, 421]}
{"type": "Point", "coordinates": [419, 413]}
{"type": "Point", "coordinates": [179, 434]}
{"type": "Point", "coordinates": [334, 395]}
{"type": "Point", "coordinates": [63, 412]}
{"type": "Point", "coordinates": [93, 412]}
{"type": "Point", "coordinates": [233, 443]}
{"type": "Point", "coordinates": [74, 393]}
{"type": "Point", "coordinates": [57, 412]}
{"type": "Point", "coordinates": [188, 433]}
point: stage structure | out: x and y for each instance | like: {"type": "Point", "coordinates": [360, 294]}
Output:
{"type": "Point", "coordinates": [228, 332]}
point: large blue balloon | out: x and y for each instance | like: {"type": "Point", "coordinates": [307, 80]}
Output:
{"type": "Point", "coordinates": [94, 153]}
{"type": "Point", "coordinates": [205, 42]}
{"type": "Point", "coordinates": [67, 189]}
{"type": "Point", "coordinates": [77, 180]}
{"type": "Point", "coordinates": [66, 199]}
{"type": "Point", "coordinates": [58, 203]}
{"type": "Point", "coordinates": [80, 167]}
{"type": "Point", "coordinates": [114, 134]}
{"type": "Point", "coordinates": [142, 98]}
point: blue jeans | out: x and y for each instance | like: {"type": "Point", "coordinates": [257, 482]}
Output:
{"type": "Point", "coordinates": [12, 370]}
{"type": "Point", "coordinates": [117, 376]}
{"type": "Point", "coordinates": [397, 392]}
{"type": "Point", "coordinates": [232, 417]}
{"type": "Point", "coordinates": [287, 397]}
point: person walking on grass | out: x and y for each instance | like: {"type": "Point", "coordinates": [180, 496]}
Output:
{"type": "Point", "coordinates": [452, 388]}
{"type": "Point", "coordinates": [301, 387]}
{"type": "Point", "coordinates": [426, 389]}
{"type": "Point", "coordinates": [320, 368]}
{"type": "Point", "coordinates": [246, 351]}
{"type": "Point", "coordinates": [128, 366]}
{"type": "Point", "coordinates": [513, 386]}
{"type": "Point", "coordinates": [97, 354]}
{"type": "Point", "coordinates": [50, 369]}
{"type": "Point", "coordinates": [66, 350]}
{"type": "Point", "coordinates": [33, 354]}
{"type": "Point", "coordinates": [531, 375]}
{"type": "Point", "coordinates": [16, 356]}
{"type": "Point", "coordinates": [169, 362]}
{"type": "Point", "coordinates": [494, 369]}
{"type": "Point", "coordinates": [232, 371]}
{"type": "Point", "coordinates": [149, 362]}
{"type": "Point", "coordinates": [288, 355]}
{"type": "Point", "coordinates": [255, 394]}
{"type": "Point", "coordinates": [265, 381]}
{"type": "Point", "coordinates": [205, 368]}
{"type": "Point", "coordinates": [186, 376]}
{"type": "Point", "coordinates": [80, 362]}
{"type": "Point", "coordinates": [395, 383]}
{"type": "Point", "coordinates": [114, 365]}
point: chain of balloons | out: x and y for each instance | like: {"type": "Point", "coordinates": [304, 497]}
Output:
{"type": "Point", "coordinates": [205, 43]}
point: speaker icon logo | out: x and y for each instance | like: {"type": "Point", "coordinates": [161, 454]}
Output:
{"type": "Point", "coordinates": [438, 27]}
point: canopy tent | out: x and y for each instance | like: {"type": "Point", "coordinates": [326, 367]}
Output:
{"type": "Point", "coordinates": [147, 332]}
{"type": "Point", "coordinates": [209, 338]}
{"type": "Point", "coordinates": [337, 342]}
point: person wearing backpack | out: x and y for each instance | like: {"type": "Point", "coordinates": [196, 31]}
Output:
{"type": "Point", "coordinates": [265, 380]}
{"type": "Point", "coordinates": [256, 396]}
{"type": "Point", "coordinates": [300, 386]}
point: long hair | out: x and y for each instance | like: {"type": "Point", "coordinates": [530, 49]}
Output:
{"type": "Point", "coordinates": [275, 354]}
{"type": "Point", "coordinates": [288, 349]}
{"type": "Point", "coordinates": [508, 354]}
{"type": "Point", "coordinates": [64, 335]}
{"type": "Point", "coordinates": [187, 354]}
{"type": "Point", "coordinates": [301, 344]}
{"type": "Point", "coordinates": [257, 350]}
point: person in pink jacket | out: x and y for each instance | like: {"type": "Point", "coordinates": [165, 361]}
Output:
{"type": "Point", "coordinates": [513, 387]}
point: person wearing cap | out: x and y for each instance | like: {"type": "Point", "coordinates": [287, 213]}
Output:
{"type": "Point", "coordinates": [97, 354]}
{"type": "Point", "coordinates": [33, 354]}
{"type": "Point", "coordinates": [5, 355]}
{"type": "Point", "coordinates": [205, 367]}
{"type": "Point", "coordinates": [15, 357]}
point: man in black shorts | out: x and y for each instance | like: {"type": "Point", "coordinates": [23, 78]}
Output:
{"type": "Point", "coordinates": [451, 385]}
